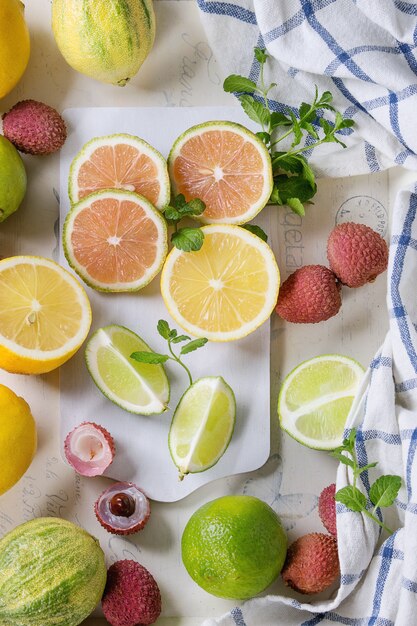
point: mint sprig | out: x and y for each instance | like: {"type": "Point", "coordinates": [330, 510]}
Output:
{"type": "Point", "coordinates": [294, 180]}
{"type": "Point", "coordinates": [172, 337]}
{"type": "Point", "coordinates": [382, 493]}
{"type": "Point", "coordinates": [187, 239]}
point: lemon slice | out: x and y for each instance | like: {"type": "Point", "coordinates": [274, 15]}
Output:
{"type": "Point", "coordinates": [226, 289]}
{"type": "Point", "coordinates": [45, 315]}
{"type": "Point", "coordinates": [315, 400]}
{"type": "Point", "coordinates": [140, 388]}
{"type": "Point", "coordinates": [202, 425]}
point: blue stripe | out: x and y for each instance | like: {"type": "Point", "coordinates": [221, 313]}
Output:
{"type": "Point", "coordinates": [294, 21]}
{"type": "Point", "coordinates": [349, 579]}
{"type": "Point", "coordinates": [408, 584]}
{"type": "Point", "coordinates": [403, 240]}
{"type": "Point", "coordinates": [386, 561]}
{"type": "Point", "coordinates": [332, 67]}
{"type": "Point", "coordinates": [381, 361]}
{"type": "Point", "coordinates": [236, 613]}
{"type": "Point", "coordinates": [371, 158]}
{"type": "Point", "coordinates": [405, 7]}
{"type": "Point", "coordinates": [315, 620]}
{"type": "Point", "coordinates": [410, 461]}
{"type": "Point", "coordinates": [230, 10]}
{"type": "Point", "coordinates": [407, 385]}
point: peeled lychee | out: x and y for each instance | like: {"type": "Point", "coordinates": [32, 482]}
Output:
{"type": "Point", "coordinates": [357, 254]}
{"type": "Point", "coordinates": [122, 509]}
{"type": "Point", "coordinates": [89, 449]}
{"type": "Point", "coordinates": [310, 295]}
{"type": "Point", "coordinates": [327, 509]}
{"type": "Point", "coordinates": [34, 127]}
{"type": "Point", "coordinates": [312, 563]}
{"type": "Point", "coordinates": [131, 596]}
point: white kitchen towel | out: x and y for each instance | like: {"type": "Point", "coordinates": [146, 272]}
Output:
{"type": "Point", "coordinates": [364, 52]}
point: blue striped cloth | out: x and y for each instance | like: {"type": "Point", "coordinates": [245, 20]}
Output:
{"type": "Point", "coordinates": [364, 52]}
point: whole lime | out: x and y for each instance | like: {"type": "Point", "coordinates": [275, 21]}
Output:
{"type": "Point", "coordinates": [12, 179]}
{"type": "Point", "coordinates": [234, 547]}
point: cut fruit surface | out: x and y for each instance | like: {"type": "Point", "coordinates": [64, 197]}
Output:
{"type": "Point", "coordinates": [226, 289]}
{"type": "Point", "coordinates": [202, 425]}
{"type": "Point", "coordinates": [315, 400]}
{"type": "Point", "coordinates": [45, 315]}
{"type": "Point", "coordinates": [136, 387]}
{"type": "Point", "coordinates": [115, 240]}
{"type": "Point", "coordinates": [120, 162]}
{"type": "Point", "coordinates": [225, 165]}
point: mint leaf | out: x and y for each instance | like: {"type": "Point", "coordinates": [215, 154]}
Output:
{"type": "Point", "coordinates": [163, 329]}
{"type": "Point", "coordinates": [275, 198]}
{"type": "Point", "coordinates": [293, 187]}
{"type": "Point", "coordinates": [352, 498]}
{"type": "Point", "coordinates": [296, 205]}
{"type": "Point", "coordinates": [342, 458]}
{"type": "Point", "coordinates": [188, 239]}
{"type": "Point", "coordinates": [366, 467]}
{"type": "Point", "coordinates": [180, 338]}
{"type": "Point", "coordinates": [260, 55]}
{"type": "Point", "coordinates": [265, 137]}
{"type": "Point", "coordinates": [256, 230]}
{"type": "Point", "coordinates": [384, 490]}
{"type": "Point", "coordinates": [193, 207]}
{"type": "Point", "coordinates": [172, 334]}
{"type": "Point", "coordinates": [172, 214]}
{"type": "Point", "coordinates": [325, 98]}
{"type": "Point", "coordinates": [193, 345]}
{"type": "Point", "coordinates": [255, 110]}
{"type": "Point", "coordinates": [279, 119]}
{"type": "Point", "coordinates": [149, 357]}
{"type": "Point", "coordinates": [179, 201]}
{"type": "Point", "coordinates": [288, 162]}
{"type": "Point", "coordinates": [234, 82]}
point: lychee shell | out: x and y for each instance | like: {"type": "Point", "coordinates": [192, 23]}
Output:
{"type": "Point", "coordinates": [327, 509]}
{"type": "Point", "coordinates": [312, 563]}
{"type": "Point", "coordinates": [34, 127]}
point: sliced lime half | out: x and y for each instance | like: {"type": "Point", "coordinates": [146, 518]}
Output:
{"type": "Point", "coordinates": [315, 400]}
{"type": "Point", "coordinates": [136, 387]}
{"type": "Point", "coordinates": [202, 425]}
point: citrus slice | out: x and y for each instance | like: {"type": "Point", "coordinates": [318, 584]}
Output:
{"type": "Point", "coordinates": [136, 387]}
{"type": "Point", "coordinates": [225, 165]}
{"type": "Point", "coordinates": [115, 240]}
{"type": "Point", "coordinates": [315, 400]}
{"type": "Point", "coordinates": [226, 289]}
{"type": "Point", "coordinates": [120, 162]}
{"type": "Point", "coordinates": [45, 315]}
{"type": "Point", "coordinates": [202, 425]}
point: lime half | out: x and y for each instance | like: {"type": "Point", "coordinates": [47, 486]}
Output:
{"type": "Point", "coordinates": [136, 387]}
{"type": "Point", "coordinates": [202, 425]}
{"type": "Point", "coordinates": [315, 400]}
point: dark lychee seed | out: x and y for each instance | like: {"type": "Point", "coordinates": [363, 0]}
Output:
{"type": "Point", "coordinates": [122, 505]}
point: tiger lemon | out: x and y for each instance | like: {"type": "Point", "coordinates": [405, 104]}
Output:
{"type": "Point", "coordinates": [107, 41]}
{"type": "Point", "coordinates": [14, 44]}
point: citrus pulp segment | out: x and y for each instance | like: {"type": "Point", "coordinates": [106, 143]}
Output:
{"type": "Point", "coordinates": [115, 240]}
{"type": "Point", "coordinates": [120, 162]}
{"type": "Point", "coordinates": [45, 315]}
{"type": "Point", "coordinates": [315, 400]}
{"type": "Point", "coordinates": [225, 165]}
{"type": "Point", "coordinates": [202, 425]}
{"type": "Point", "coordinates": [225, 290]}
{"type": "Point", "coordinates": [140, 388]}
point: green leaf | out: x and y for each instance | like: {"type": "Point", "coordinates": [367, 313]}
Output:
{"type": "Point", "coordinates": [279, 119]}
{"type": "Point", "coordinates": [172, 214]}
{"type": "Point", "coordinates": [180, 338]}
{"type": "Point", "coordinates": [308, 174]}
{"type": "Point", "coordinates": [149, 357]}
{"type": "Point", "coordinates": [296, 205]}
{"type": "Point", "coordinates": [306, 111]}
{"type": "Point", "coordinates": [275, 198]}
{"type": "Point", "coordinates": [188, 239]}
{"type": "Point", "coordinates": [172, 334]}
{"type": "Point", "coordinates": [234, 82]}
{"type": "Point", "coordinates": [255, 110]}
{"type": "Point", "coordinates": [294, 187]}
{"type": "Point", "coordinates": [265, 137]}
{"type": "Point", "coordinates": [343, 458]}
{"type": "Point", "coordinates": [256, 230]}
{"type": "Point", "coordinates": [352, 498]}
{"type": "Point", "coordinates": [260, 55]}
{"type": "Point", "coordinates": [325, 98]}
{"type": "Point", "coordinates": [326, 126]}
{"type": "Point", "coordinates": [384, 490]}
{"type": "Point", "coordinates": [296, 129]}
{"type": "Point", "coordinates": [366, 467]}
{"type": "Point", "coordinates": [163, 329]}
{"type": "Point", "coordinates": [179, 201]}
{"type": "Point", "coordinates": [288, 162]}
{"type": "Point", "coordinates": [310, 129]}
{"type": "Point", "coordinates": [193, 345]}
{"type": "Point", "coordinates": [193, 207]}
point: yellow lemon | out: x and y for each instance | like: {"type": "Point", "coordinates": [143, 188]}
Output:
{"type": "Point", "coordinates": [17, 438]}
{"type": "Point", "coordinates": [14, 44]}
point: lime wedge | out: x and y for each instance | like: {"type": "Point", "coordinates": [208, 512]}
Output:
{"type": "Point", "coordinates": [202, 425]}
{"type": "Point", "coordinates": [140, 388]}
{"type": "Point", "coordinates": [315, 400]}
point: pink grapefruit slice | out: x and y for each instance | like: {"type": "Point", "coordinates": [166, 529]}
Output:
{"type": "Point", "coordinates": [225, 165]}
{"type": "Point", "coordinates": [115, 240]}
{"type": "Point", "coordinates": [120, 162]}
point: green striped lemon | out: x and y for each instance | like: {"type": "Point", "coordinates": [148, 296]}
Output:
{"type": "Point", "coordinates": [52, 573]}
{"type": "Point", "coordinates": [105, 40]}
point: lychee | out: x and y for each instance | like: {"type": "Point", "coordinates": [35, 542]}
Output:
{"type": "Point", "coordinates": [327, 509]}
{"type": "Point", "coordinates": [131, 596]}
{"type": "Point", "coordinates": [357, 254]}
{"type": "Point", "coordinates": [34, 127]}
{"type": "Point", "coordinates": [310, 295]}
{"type": "Point", "coordinates": [89, 449]}
{"type": "Point", "coordinates": [122, 509]}
{"type": "Point", "coordinates": [312, 563]}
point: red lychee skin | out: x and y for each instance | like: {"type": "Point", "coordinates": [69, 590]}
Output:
{"type": "Point", "coordinates": [312, 563]}
{"type": "Point", "coordinates": [310, 295]}
{"type": "Point", "coordinates": [131, 596]}
{"type": "Point", "coordinates": [357, 254]}
{"type": "Point", "coordinates": [34, 127]}
{"type": "Point", "coordinates": [122, 531]}
{"type": "Point", "coordinates": [327, 509]}
{"type": "Point", "coordinates": [109, 439]}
